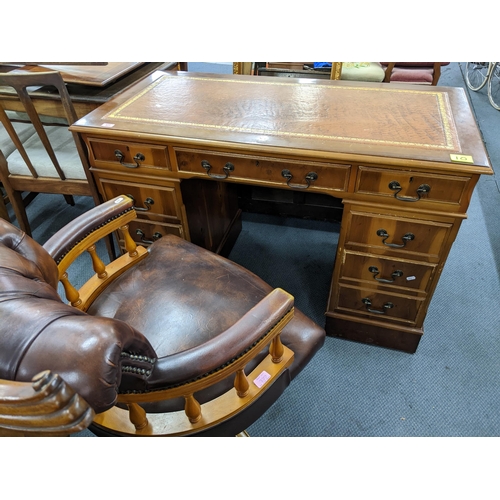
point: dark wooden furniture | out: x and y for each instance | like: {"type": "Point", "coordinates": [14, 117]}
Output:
{"type": "Point", "coordinates": [89, 86]}
{"type": "Point", "coordinates": [403, 159]}
{"type": "Point", "coordinates": [52, 159]}
{"type": "Point", "coordinates": [173, 340]}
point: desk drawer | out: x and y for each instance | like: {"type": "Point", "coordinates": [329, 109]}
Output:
{"type": "Point", "coordinates": [413, 187]}
{"type": "Point", "coordinates": [398, 236]}
{"type": "Point", "coordinates": [381, 272]}
{"type": "Point", "coordinates": [264, 171]}
{"type": "Point", "coordinates": [128, 156]}
{"type": "Point", "coordinates": [378, 305]}
{"type": "Point", "coordinates": [145, 232]}
{"type": "Point", "coordinates": [157, 203]}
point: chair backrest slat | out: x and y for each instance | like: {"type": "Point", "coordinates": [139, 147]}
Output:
{"type": "Point", "coordinates": [17, 142]}
{"type": "Point", "coordinates": [20, 83]}
{"type": "Point", "coordinates": [29, 107]}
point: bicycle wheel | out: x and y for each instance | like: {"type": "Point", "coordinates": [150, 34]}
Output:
{"type": "Point", "coordinates": [476, 75]}
{"type": "Point", "coordinates": [494, 87]}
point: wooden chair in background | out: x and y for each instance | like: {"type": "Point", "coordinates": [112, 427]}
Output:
{"type": "Point", "coordinates": [42, 156]}
{"type": "Point", "coordinates": [426, 73]}
{"type": "Point", "coordinates": [23, 130]}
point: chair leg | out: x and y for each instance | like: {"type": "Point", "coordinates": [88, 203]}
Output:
{"type": "Point", "coordinates": [69, 200]}
{"type": "Point", "coordinates": [28, 198]}
{"type": "Point", "coordinates": [19, 211]}
{"type": "Point", "coordinates": [15, 198]}
{"type": "Point", "coordinates": [3, 210]}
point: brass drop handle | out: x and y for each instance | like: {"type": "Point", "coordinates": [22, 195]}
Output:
{"type": "Point", "coordinates": [396, 186]}
{"type": "Point", "coordinates": [156, 236]}
{"type": "Point", "coordinates": [147, 202]}
{"type": "Point", "coordinates": [228, 167]}
{"type": "Point", "coordinates": [406, 238]}
{"type": "Point", "coordinates": [394, 275]}
{"type": "Point", "coordinates": [138, 158]}
{"type": "Point", "coordinates": [367, 302]}
{"type": "Point", "coordinates": [310, 177]}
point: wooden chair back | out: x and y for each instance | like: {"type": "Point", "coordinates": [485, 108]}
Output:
{"type": "Point", "coordinates": [56, 183]}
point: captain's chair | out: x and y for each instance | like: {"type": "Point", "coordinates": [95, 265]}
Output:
{"type": "Point", "coordinates": [173, 340]}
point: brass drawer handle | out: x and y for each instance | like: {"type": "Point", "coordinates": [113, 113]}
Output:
{"type": "Point", "coordinates": [367, 302]}
{"type": "Point", "coordinates": [394, 275]}
{"type": "Point", "coordinates": [156, 236]}
{"type": "Point", "coordinates": [310, 177]}
{"type": "Point", "coordinates": [228, 167]}
{"type": "Point", "coordinates": [138, 158]}
{"type": "Point", "coordinates": [396, 186]}
{"type": "Point", "coordinates": [148, 202]}
{"type": "Point", "coordinates": [406, 238]}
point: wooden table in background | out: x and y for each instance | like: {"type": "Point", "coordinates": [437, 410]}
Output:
{"type": "Point", "coordinates": [88, 85]}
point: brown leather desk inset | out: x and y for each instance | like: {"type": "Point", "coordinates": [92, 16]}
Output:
{"type": "Point", "coordinates": [403, 159]}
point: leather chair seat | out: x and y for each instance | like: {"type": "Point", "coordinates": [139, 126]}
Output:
{"type": "Point", "coordinates": [181, 297]}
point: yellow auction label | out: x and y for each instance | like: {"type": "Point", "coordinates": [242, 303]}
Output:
{"type": "Point", "coordinates": [461, 158]}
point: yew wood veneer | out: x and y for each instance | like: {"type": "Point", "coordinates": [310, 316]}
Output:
{"type": "Point", "coordinates": [403, 159]}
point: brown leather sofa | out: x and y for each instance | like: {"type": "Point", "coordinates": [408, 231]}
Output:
{"type": "Point", "coordinates": [178, 315]}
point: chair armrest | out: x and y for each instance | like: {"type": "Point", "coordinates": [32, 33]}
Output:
{"type": "Point", "coordinates": [89, 228]}
{"type": "Point", "coordinates": [47, 406]}
{"type": "Point", "coordinates": [237, 352]}
{"type": "Point", "coordinates": [81, 235]}
{"type": "Point", "coordinates": [245, 338]}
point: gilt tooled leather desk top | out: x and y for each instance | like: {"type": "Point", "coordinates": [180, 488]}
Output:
{"type": "Point", "coordinates": [391, 120]}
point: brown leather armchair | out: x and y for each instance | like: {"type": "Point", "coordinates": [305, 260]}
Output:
{"type": "Point", "coordinates": [169, 340]}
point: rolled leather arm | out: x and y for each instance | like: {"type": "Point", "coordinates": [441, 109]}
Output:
{"type": "Point", "coordinates": [228, 346]}
{"type": "Point", "coordinates": [86, 351]}
{"type": "Point", "coordinates": [72, 233]}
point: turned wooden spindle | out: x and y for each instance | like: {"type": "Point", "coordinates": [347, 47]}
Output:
{"type": "Point", "coordinates": [137, 416]}
{"type": "Point", "coordinates": [276, 349]}
{"type": "Point", "coordinates": [97, 263]}
{"type": "Point", "coordinates": [241, 383]}
{"type": "Point", "coordinates": [130, 244]}
{"type": "Point", "coordinates": [192, 408]}
{"type": "Point", "coordinates": [71, 292]}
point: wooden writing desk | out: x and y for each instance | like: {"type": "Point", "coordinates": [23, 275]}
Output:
{"type": "Point", "coordinates": [180, 143]}
{"type": "Point", "coordinates": [89, 86]}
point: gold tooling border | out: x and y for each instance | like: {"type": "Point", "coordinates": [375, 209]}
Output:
{"type": "Point", "coordinates": [451, 138]}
